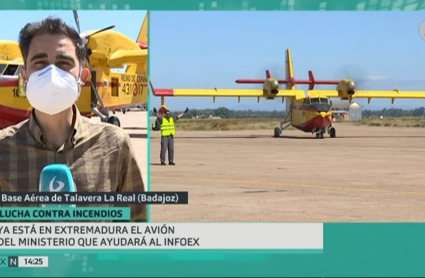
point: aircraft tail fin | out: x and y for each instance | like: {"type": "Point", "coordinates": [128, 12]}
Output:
{"type": "Point", "coordinates": [142, 39]}
{"type": "Point", "coordinates": [289, 70]}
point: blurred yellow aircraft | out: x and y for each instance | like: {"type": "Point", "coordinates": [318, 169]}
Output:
{"type": "Point", "coordinates": [104, 91]}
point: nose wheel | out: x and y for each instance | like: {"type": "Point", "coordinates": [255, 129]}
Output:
{"type": "Point", "coordinates": [320, 134]}
{"type": "Point", "coordinates": [332, 132]}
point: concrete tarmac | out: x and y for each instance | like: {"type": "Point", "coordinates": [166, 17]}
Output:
{"type": "Point", "coordinates": [134, 123]}
{"type": "Point", "coordinates": [366, 174]}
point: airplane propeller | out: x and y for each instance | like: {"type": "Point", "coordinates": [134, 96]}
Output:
{"type": "Point", "coordinates": [86, 38]}
{"type": "Point", "coordinates": [356, 73]}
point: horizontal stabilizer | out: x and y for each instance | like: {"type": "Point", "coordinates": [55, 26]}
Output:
{"type": "Point", "coordinates": [250, 81]}
{"type": "Point", "coordinates": [128, 57]}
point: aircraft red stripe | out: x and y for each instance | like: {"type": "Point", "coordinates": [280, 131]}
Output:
{"type": "Point", "coordinates": [10, 116]}
{"type": "Point", "coordinates": [164, 92]}
{"type": "Point", "coordinates": [322, 82]}
{"type": "Point", "coordinates": [282, 81]}
{"type": "Point", "coordinates": [250, 81]}
{"type": "Point", "coordinates": [9, 83]}
{"type": "Point", "coordinates": [318, 121]}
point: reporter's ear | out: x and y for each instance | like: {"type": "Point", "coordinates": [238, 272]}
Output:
{"type": "Point", "coordinates": [23, 74]}
{"type": "Point", "coordinates": [85, 73]}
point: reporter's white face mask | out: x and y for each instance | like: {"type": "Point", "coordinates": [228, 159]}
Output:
{"type": "Point", "coordinates": [52, 90]}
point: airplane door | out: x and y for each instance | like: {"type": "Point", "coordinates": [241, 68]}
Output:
{"type": "Point", "coordinates": [114, 87]}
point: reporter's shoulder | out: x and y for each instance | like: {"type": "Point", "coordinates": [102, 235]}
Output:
{"type": "Point", "coordinates": [14, 130]}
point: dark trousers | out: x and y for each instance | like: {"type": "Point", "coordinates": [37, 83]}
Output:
{"type": "Point", "coordinates": [167, 142]}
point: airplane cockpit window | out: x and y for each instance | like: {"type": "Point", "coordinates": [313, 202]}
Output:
{"type": "Point", "coordinates": [324, 100]}
{"type": "Point", "coordinates": [10, 70]}
{"type": "Point", "coordinates": [2, 67]}
{"type": "Point", "coordinates": [314, 100]}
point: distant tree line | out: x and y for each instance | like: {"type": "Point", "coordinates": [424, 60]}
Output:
{"type": "Point", "coordinates": [394, 112]}
{"type": "Point", "coordinates": [224, 112]}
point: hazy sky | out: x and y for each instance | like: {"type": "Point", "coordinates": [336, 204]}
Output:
{"type": "Point", "coordinates": [213, 49]}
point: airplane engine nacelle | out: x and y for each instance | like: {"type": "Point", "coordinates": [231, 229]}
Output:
{"type": "Point", "coordinates": [271, 88]}
{"type": "Point", "coordinates": [346, 89]}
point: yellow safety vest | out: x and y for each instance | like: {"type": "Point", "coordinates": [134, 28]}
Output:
{"type": "Point", "coordinates": [167, 127]}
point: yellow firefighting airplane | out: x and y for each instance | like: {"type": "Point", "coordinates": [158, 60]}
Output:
{"type": "Point", "coordinates": [105, 90]}
{"type": "Point", "coordinates": [312, 113]}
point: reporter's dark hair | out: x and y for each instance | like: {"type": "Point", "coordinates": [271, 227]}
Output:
{"type": "Point", "coordinates": [52, 26]}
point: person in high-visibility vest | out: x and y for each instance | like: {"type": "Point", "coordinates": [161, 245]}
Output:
{"type": "Point", "coordinates": [167, 136]}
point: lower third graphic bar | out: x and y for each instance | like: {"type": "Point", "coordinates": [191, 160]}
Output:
{"type": "Point", "coordinates": [154, 198]}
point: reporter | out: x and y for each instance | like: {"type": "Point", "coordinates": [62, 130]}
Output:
{"type": "Point", "coordinates": [100, 155]}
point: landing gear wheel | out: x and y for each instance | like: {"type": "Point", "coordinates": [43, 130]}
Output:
{"type": "Point", "coordinates": [114, 121]}
{"type": "Point", "coordinates": [123, 111]}
{"type": "Point", "coordinates": [332, 132]}
{"type": "Point", "coordinates": [113, 111]}
{"type": "Point", "coordinates": [276, 132]}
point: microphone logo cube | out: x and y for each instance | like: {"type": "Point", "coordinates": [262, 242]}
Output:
{"type": "Point", "coordinates": [57, 178]}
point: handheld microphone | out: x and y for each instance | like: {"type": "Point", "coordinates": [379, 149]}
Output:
{"type": "Point", "coordinates": [57, 178]}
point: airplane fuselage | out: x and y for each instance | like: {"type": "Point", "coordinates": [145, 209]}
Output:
{"type": "Point", "coordinates": [311, 116]}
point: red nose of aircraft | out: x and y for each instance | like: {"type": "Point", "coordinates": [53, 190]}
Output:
{"type": "Point", "coordinates": [322, 120]}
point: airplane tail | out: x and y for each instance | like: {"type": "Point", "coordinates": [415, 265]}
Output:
{"type": "Point", "coordinates": [142, 39]}
{"type": "Point", "coordinates": [289, 85]}
{"type": "Point", "coordinates": [290, 80]}
{"type": "Point", "coordinates": [289, 70]}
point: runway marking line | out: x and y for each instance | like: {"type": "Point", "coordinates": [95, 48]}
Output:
{"type": "Point", "coordinates": [293, 185]}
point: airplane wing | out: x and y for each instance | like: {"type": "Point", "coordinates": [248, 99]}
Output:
{"type": "Point", "coordinates": [370, 94]}
{"type": "Point", "coordinates": [323, 93]}
{"type": "Point", "coordinates": [299, 94]}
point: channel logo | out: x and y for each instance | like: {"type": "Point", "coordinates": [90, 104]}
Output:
{"type": "Point", "coordinates": [14, 261]}
{"type": "Point", "coordinates": [8, 261]}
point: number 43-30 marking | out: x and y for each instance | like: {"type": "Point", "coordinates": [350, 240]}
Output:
{"type": "Point", "coordinates": [126, 89]}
